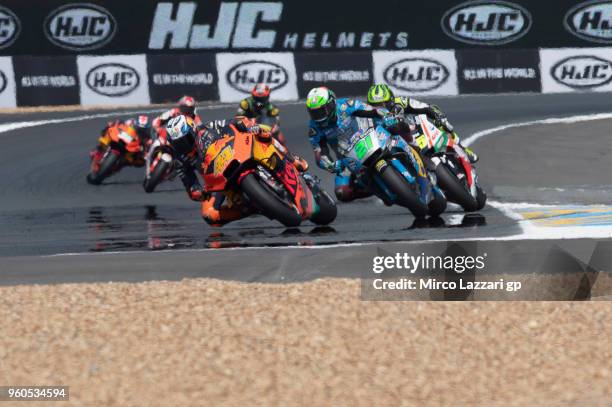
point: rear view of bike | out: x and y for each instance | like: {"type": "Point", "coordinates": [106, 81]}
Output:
{"type": "Point", "coordinates": [456, 175]}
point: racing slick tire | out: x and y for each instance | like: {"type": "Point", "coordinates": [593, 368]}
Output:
{"type": "Point", "coordinates": [437, 205]}
{"type": "Point", "coordinates": [455, 191]}
{"type": "Point", "coordinates": [268, 203]}
{"type": "Point", "coordinates": [481, 198]}
{"type": "Point", "coordinates": [403, 190]}
{"type": "Point", "coordinates": [156, 176]}
{"type": "Point", "coordinates": [106, 169]}
{"type": "Point", "coordinates": [327, 209]}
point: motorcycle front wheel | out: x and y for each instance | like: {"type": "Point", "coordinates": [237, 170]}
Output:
{"type": "Point", "coordinates": [455, 190]}
{"type": "Point", "coordinates": [268, 202]}
{"type": "Point", "coordinates": [403, 190]}
{"type": "Point", "coordinates": [106, 169]}
{"type": "Point", "coordinates": [156, 176]}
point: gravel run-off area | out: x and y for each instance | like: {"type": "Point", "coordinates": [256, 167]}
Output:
{"type": "Point", "coordinates": [205, 342]}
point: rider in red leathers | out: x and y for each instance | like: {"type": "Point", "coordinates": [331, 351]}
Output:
{"type": "Point", "coordinates": [186, 106]}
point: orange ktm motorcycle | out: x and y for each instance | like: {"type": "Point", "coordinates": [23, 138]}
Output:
{"type": "Point", "coordinates": [123, 148]}
{"type": "Point", "coordinates": [251, 169]}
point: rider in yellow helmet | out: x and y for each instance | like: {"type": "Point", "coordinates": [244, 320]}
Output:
{"type": "Point", "coordinates": [382, 96]}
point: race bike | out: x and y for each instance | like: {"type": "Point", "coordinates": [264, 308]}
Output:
{"type": "Point", "coordinates": [395, 173]}
{"type": "Point", "coordinates": [456, 175]}
{"type": "Point", "coordinates": [123, 148]}
{"type": "Point", "coordinates": [255, 171]}
{"type": "Point", "coordinates": [159, 165]}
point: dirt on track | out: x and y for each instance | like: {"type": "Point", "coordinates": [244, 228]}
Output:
{"type": "Point", "coordinates": [207, 342]}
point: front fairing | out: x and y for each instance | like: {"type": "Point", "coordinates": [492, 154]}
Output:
{"type": "Point", "coordinates": [361, 138]}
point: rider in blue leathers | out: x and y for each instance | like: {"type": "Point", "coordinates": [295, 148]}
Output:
{"type": "Point", "coordinates": [329, 118]}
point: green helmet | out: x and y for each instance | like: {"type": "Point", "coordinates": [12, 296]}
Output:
{"type": "Point", "coordinates": [380, 95]}
{"type": "Point", "coordinates": [321, 105]}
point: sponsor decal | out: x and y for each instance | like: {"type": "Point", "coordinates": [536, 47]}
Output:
{"type": "Point", "coordinates": [247, 74]}
{"type": "Point", "coordinates": [80, 26]}
{"type": "Point", "coordinates": [471, 74]}
{"type": "Point", "coordinates": [336, 76]}
{"type": "Point", "coordinates": [238, 73]}
{"type": "Point", "coordinates": [9, 27]}
{"type": "Point", "coordinates": [7, 83]}
{"type": "Point", "coordinates": [591, 21]}
{"type": "Point", "coordinates": [48, 81]}
{"type": "Point", "coordinates": [494, 71]}
{"type": "Point", "coordinates": [112, 79]}
{"type": "Point", "coordinates": [347, 73]}
{"type": "Point", "coordinates": [486, 22]}
{"type": "Point", "coordinates": [3, 81]}
{"type": "Point", "coordinates": [258, 25]}
{"type": "Point", "coordinates": [171, 76]}
{"type": "Point", "coordinates": [200, 78]}
{"type": "Point", "coordinates": [583, 71]}
{"type": "Point", "coordinates": [416, 74]}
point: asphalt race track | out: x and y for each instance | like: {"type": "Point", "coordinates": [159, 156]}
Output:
{"type": "Point", "coordinates": [544, 181]}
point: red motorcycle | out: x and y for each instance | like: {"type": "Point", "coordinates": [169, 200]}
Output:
{"type": "Point", "coordinates": [159, 162]}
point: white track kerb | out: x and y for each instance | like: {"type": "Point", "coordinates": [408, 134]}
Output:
{"type": "Point", "coordinates": [530, 229]}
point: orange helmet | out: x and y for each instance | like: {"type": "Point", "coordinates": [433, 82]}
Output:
{"type": "Point", "coordinates": [187, 105]}
{"type": "Point", "coordinates": [261, 94]}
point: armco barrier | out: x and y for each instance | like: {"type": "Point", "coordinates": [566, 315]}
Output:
{"type": "Point", "coordinates": [140, 79]}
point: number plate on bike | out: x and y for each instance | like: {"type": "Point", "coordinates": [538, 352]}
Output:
{"type": "Point", "coordinates": [223, 159]}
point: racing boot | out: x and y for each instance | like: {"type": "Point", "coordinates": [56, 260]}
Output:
{"type": "Point", "coordinates": [216, 214]}
{"type": "Point", "coordinates": [472, 156]}
{"type": "Point", "coordinates": [299, 163]}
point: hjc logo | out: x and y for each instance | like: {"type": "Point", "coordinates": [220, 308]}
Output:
{"type": "Point", "coordinates": [102, 79]}
{"type": "Point", "coordinates": [240, 18]}
{"type": "Point", "coordinates": [9, 27]}
{"type": "Point", "coordinates": [3, 81]}
{"type": "Point", "coordinates": [80, 26]}
{"type": "Point", "coordinates": [486, 22]}
{"type": "Point", "coordinates": [591, 21]}
{"type": "Point", "coordinates": [112, 79]}
{"type": "Point", "coordinates": [243, 76]}
{"type": "Point", "coordinates": [585, 71]}
{"type": "Point", "coordinates": [416, 74]}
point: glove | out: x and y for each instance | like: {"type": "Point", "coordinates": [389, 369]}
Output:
{"type": "Point", "coordinates": [390, 121]}
{"type": "Point", "coordinates": [351, 164]}
{"type": "Point", "coordinates": [300, 163]}
{"type": "Point", "coordinates": [440, 120]}
{"type": "Point", "coordinates": [336, 167]}
{"type": "Point", "coordinates": [448, 126]}
{"type": "Point", "coordinates": [196, 193]}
